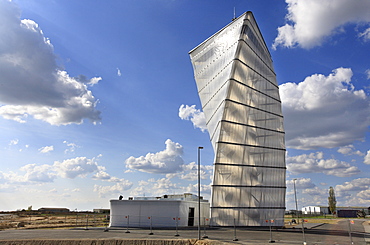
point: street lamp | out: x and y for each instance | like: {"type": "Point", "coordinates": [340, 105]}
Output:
{"type": "Point", "coordinates": [199, 148]}
{"type": "Point", "coordinates": [295, 197]}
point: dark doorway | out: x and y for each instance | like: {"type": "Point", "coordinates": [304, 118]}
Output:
{"type": "Point", "coordinates": [191, 217]}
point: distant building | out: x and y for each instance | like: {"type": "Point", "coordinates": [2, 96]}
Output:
{"type": "Point", "coordinates": [53, 210]}
{"type": "Point", "coordinates": [316, 210]}
{"type": "Point", "coordinates": [101, 210]}
{"type": "Point", "coordinates": [164, 211]}
{"type": "Point", "coordinates": [339, 209]}
{"type": "Point", "coordinates": [350, 213]}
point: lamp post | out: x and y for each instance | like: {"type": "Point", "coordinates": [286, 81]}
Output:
{"type": "Point", "coordinates": [199, 148]}
{"type": "Point", "coordinates": [295, 197]}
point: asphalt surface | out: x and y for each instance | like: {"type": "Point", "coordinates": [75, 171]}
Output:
{"type": "Point", "coordinates": [314, 234]}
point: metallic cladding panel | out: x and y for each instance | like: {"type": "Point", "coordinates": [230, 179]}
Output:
{"type": "Point", "coordinates": [240, 99]}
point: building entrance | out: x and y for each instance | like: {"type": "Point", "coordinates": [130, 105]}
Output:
{"type": "Point", "coordinates": [191, 217]}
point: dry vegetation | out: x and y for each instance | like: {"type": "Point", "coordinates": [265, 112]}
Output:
{"type": "Point", "coordinates": [35, 221]}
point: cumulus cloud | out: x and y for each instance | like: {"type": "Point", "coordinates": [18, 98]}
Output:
{"type": "Point", "coordinates": [46, 149]}
{"type": "Point", "coordinates": [301, 183]}
{"type": "Point", "coordinates": [33, 174]}
{"type": "Point", "coordinates": [193, 188]}
{"type": "Point", "coordinates": [166, 161]}
{"type": "Point", "coordinates": [71, 147]}
{"type": "Point", "coordinates": [102, 175]}
{"type": "Point", "coordinates": [190, 171]}
{"type": "Point", "coordinates": [31, 81]}
{"type": "Point", "coordinates": [309, 22]}
{"type": "Point", "coordinates": [315, 163]}
{"type": "Point", "coordinates": [354, 185]}
{"type": "Point", "coordinates": [367, 158]}
{"type": "Point", "coordinates": [76, 167]}
{"type": "Point", "coordinates": [37, 173]}
{"type": "Point", "coordinates": [91, 82]}
{"type": "Point", "coordinates": [117, 188]}
{"type": "Point", "coordinates": [155, 187]}
{"type": "Point", "coordinates": [316, 191]}
{"type": "Point", "coordinates": [194, 115]}
{"type": "Point", "coordinates": [162, 186]}
{"type": "Point", "coordinates": [324, 111]}
{"type": "Point", "coordinates": [70, 168]}
{"type": "Point", "coordinates": [349, 150]}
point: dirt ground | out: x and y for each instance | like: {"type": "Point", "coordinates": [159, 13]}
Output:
{"type": "Point", "coordinates": [35, 221]}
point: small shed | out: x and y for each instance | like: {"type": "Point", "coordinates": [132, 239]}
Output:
{"type": "Point", "coordinates": [164, 211]}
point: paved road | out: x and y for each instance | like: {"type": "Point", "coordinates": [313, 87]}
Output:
{"type": "Point", "coordinates": [316, 234]}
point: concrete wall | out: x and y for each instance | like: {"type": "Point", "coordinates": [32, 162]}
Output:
{"type": "Point", "coordinates": [162, 213]}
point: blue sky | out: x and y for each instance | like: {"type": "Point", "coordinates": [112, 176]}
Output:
{"type": "Point", "coordinates": [98, 98]}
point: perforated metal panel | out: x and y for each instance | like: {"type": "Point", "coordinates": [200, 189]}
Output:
{"type": "Point", "coordinates": [240, 99]}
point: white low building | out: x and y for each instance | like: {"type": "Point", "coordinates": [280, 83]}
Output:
{"type": "Point", "coordinates": [315, 210]}
{"type": "Point", "coordinates": [164, 211]}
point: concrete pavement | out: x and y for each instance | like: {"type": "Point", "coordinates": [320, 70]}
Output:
{"type": "Point", "coordinates": [314, 234]}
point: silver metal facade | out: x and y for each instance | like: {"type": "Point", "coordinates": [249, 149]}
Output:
{"type": "Point", "coordinates": [240, 99]}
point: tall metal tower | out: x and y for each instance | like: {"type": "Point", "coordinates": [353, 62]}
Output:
{"type": "Point", "coordinates": [240, 99]}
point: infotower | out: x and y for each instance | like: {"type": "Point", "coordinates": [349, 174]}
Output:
{"type": "Point", "coordinates": [240, 98]}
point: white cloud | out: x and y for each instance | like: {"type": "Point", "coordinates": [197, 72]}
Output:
{"type": "Point", "coordinates": [139, 191]}
{"type": "Point", "coordinates": [117, 188]}
{"type": "Point", "coordinates": [354, 185]}
{"type": "Point", "coordinates": [315, 163]}
{"type": "Point", "coordinates": [365, 194]}
{"type": "Point", "coordinates": [37, 173]}
{"type": "Point", "coordinates": [33, 173]}
{"type": "Point", "coordinates": [193, 188]}
{"type": "Point", "coordinates": [368, 73]}
{"type": "Point", "coordinates": [14, 142]}
{"type": "Point", "coordinates": [349, 150]}
{"type": "Point", "coordinates": [70, 168]}
{"type": "Point", "coordinates": [46, 149]}
{"type": "Point", "coordinates": [367, 158]}
{"type": "Point", "coordinates": [32, 82]}
{"type": "Point", "coordinates": [91, 82]}
{"type": "Point", "coordinates": [301, 183]}
{"type": "Point", "coordinates": [104, 176]}
{"type": "Point", "coordinates": [94, 80]}
{"type": "Point", "coordinates": [76, 167]}
{"type": "Point", "coordinates": [119, 72]}
{"type": "Point", "coordinates": [166, 161]}
{"type": "Point", "coordinates": [316, 192]}
{"type": "Point", "coordinates": [194, 115]}
{"type": "Point", "coordinates": [190, 171]}
{"type": "Point", "coordinates": [365, 35]}
{"type": "Point", "coordinates": [324, 111]}
{"type": "Point", "coordinates": [71, 147]}
{"type": "Point", "coordinates": [311, 21]}
{"type": "Point", "coordinates": [162, 186]}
